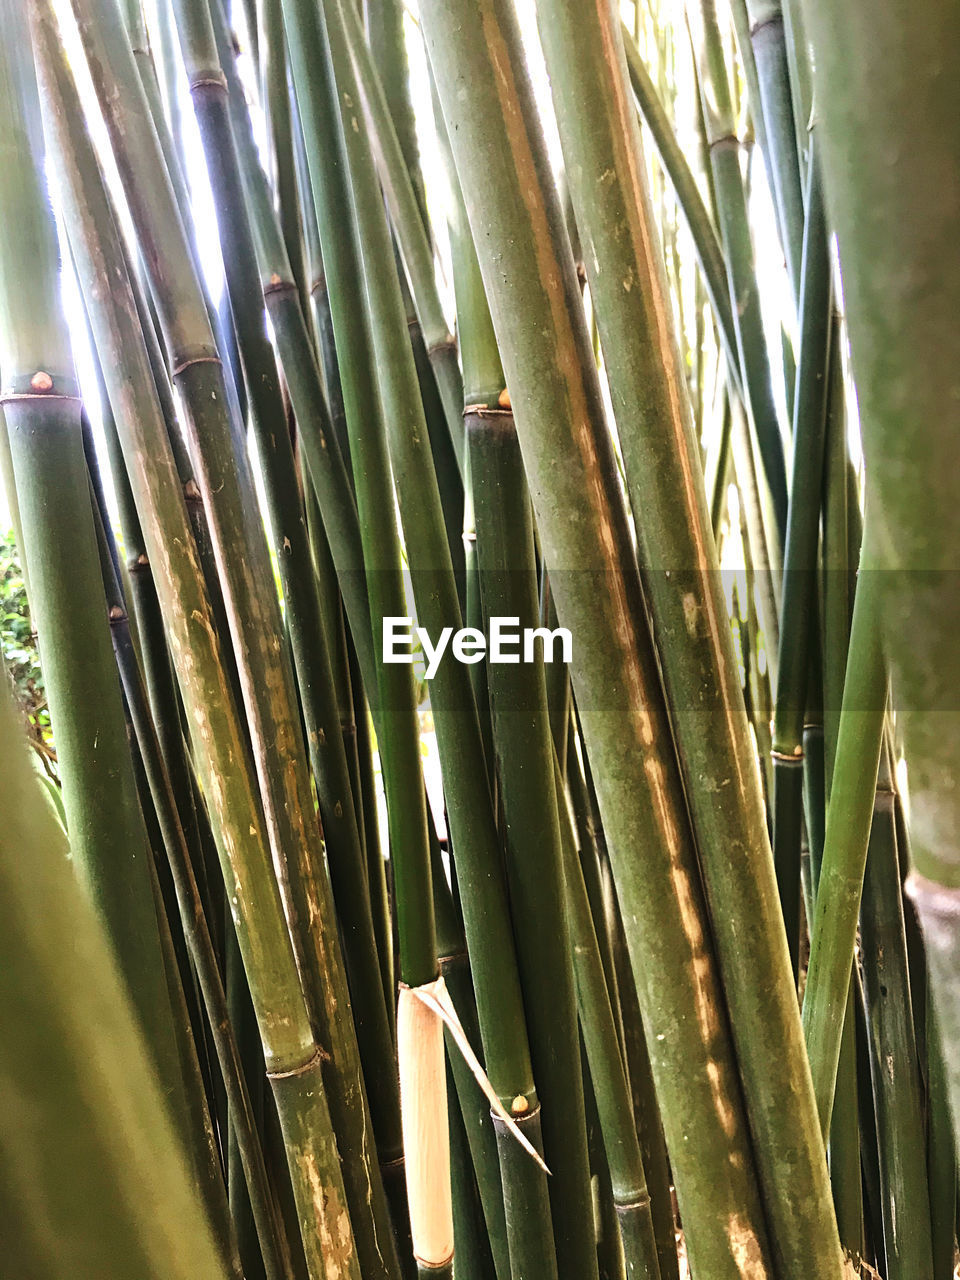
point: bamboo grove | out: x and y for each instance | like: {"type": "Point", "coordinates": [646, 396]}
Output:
{"type": "Point", "coordinates": [666, 982]}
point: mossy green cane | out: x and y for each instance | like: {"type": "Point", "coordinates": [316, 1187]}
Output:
{"type": "Point", "coordinates": [683, 590]}
{"type": "Point", "coordinates": [535, 303]}
{"type": "Point", "coordinates": [292, 1055]}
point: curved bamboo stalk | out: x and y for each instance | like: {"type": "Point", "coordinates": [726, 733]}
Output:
{"type": "Point", "coordinates": [683, 591]}
{"type": "Point", "coordinates": [474, 49]}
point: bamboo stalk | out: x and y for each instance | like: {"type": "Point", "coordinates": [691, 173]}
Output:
{"type": "Point", "coordinates": [894, 1063]}
{"type": "Point", "coordinates": [42, 410]}
{"type": "Point", "coordinates": [611, 1086]}
{"type": "Point", "coordinates": [474, 837]}
{"type": "Point", "coordinates": [845, 845]}
{"type": "Point", "coordinates": [800, 557]}
{"type": "Point", "coordinates": [306, 627]}
{"type": "Point", "coordinates": [894, 226]}
{"type": "Point", "coordinates": [292, 1055]}
{"type": "Point", "coordinates": [775, 104]}
{"type": "Point", "coordinates": [524, 255]}
{"type": "Point", "coordinates": [524, 754]}
{"type": "Point", "coordinates": [738, 251]}
{"type": "Point", "coordinates": [192, 915]}
{"type": "Point", "coordinates": [699, 222]}
{"type": "Point", "coordinates": [683, 591]}
{"type": "Point", "coordinates": [408, 222]}
{"type": "Point", "coordinates": [318, 440]}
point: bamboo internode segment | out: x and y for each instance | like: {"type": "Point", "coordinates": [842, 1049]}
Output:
{"type": "Point", "coordinates": [426, 1137]}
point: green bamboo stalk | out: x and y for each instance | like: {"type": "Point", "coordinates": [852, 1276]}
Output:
{"type": "Point", "coordinates": [775, 105]}
{"type": "Point", "coordinates": [801, 557]}
{"type": "Point", "coordinates": [305, 626]}
{"type": "Point", "coordinates": [398, 736]}
{"type": "Point", "coordinates": [699, 222]}
{"type": "Point", "coordinates": [474, 1107]}
{"type": "Point", "coordinates": [524, 755]}
{"type": "Point", "coordinates": [474, 1256]}
{"type": "Point", "coordinates": [292, 1055]}
{"type": "Point", "coordinates": [42, 409]}
{"type": "Point", "coordinates": [384, 23]}
{"type": "Point", "coordinates": [252, 607]}
{"type": "Point", "coordinates": [846, 1147]}
{"type": "Point", "coordinates": [683, 590]}
{"type": "Point", "coordinates": [473, 831]}
{"type": "Point", "coordinates": [845, 845]}
{"type": "Point", "coordinates": [524, 256]}
{"type": "Point", "coordinates": [870, 100]}
{"type": "Point", "coordinates": [62, 1019]}
{"type": "Point", "coordinates": [275, 98]}
{"type": "Point", "coordinates": [838, 573]}
{"type": "Point", "coordinates": [894, 1063]}
{"type": "Point", "coordinates": [275, 1251]}
{"type": "Point", "coordinates": [410, 228]}
{"type": "Point", "coordinates": [646, 1109]}
{"type": "Point", "coordinates": [738, 251]}
{"type": "Point", "coordinates": [611, 1085]}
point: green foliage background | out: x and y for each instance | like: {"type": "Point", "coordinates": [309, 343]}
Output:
{"type": "Point", "coordinates": [21, 657]}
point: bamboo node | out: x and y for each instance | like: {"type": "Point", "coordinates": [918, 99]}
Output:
{"type": "Point", "coordinates": [320, 1056]}
{"type": "Point", "coordinates": [449, 343]}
